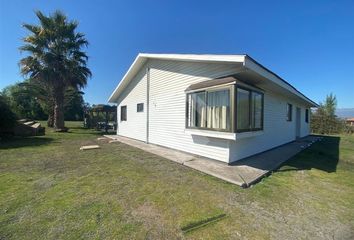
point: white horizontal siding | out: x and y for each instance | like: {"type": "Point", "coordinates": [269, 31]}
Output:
{"type": "Point", "coordinates": [305, 127]}
{"type": "Point", "coordinates": [168, 81]}
{"type": "Point", "coordinates": [277, 130]}
{"type": "Point", "coordinates": [135, 126]}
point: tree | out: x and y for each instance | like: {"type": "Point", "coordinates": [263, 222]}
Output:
{"type": "Point", "coordinates": [324, 120]}
{"type": "Point", "coordinates": [55, 59]}
{"type": "Point", "coordinates": [7, 117]}
{"type": "Point", "coordinates": [330, 105]}
{"type": "Point", "coordinates": [74, 105]}
{"type": "Point", "coordinates": [22, 102]}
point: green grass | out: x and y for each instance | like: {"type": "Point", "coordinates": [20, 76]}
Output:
{"type": "Point", "coordinates": [51, 190]}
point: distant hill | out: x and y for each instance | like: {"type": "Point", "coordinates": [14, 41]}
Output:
{"type": "Point", "coordinates": [345, 112]}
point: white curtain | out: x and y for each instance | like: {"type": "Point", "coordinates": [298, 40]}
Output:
{"type": "Point", "coordinates": [218, 110]}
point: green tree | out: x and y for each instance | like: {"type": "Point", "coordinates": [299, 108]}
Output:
{"type": "Point", "coordinates": [22, 102]}
{"type": "Point", "coordinates": [74, 105]}
{"type": "Point", "coordinates": [7, 117]}
{"type": "Point", "coordinates": [330, 105]}
{"type": "Point", "coordinates": [324, 120]}
{"type": "Point", "coordinates": [55, 58]}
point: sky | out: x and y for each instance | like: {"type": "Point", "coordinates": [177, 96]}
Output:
{"type": "Point", "coordinates": [310, 44]}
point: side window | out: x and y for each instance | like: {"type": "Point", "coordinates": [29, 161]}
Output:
{"type": "Point", "coordinates": [249, 110]}
{"type": "Point", "coordinates": [123, 113]}
{"type": "Point", "coordinates": [289, 112]}
{"type": "Point", "coordinates": [140, 107]}
{"type": "Point", "coordinates": [307, 115]}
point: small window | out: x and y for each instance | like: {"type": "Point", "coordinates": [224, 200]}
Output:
{"type": "Point", "coordinates": [140, 107]}
{"type": "Point", "coordinates": [123, 113]}
{"type": "Point", "coordinates": [289, 112]}
{"type": "Point", "coordinates": [307, 115]}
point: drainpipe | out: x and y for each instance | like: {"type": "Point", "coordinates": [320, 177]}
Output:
{"type": "Point", "coordinates": [147, 102]}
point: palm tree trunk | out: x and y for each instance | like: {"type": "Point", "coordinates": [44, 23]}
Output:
{"type": "Point", "coordinates": [50, 121]}
{"type": "Point", "coordinates": [59, 124]}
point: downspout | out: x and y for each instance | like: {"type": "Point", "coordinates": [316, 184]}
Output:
{"type": "Point", "coordinates": [147, 102]}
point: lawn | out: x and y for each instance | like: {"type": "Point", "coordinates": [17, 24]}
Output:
{"type": "Point", "coordinates": [51, 190]}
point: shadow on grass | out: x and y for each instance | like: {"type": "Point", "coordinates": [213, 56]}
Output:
{"type": "Point", "coordinates": [91, 131]}
{"type": "Point", "coordinates": [323, 155]}
{"type": "Point", "coordinates": [85, 131]}
{"type": "Point", "coordinates": [18, 142]}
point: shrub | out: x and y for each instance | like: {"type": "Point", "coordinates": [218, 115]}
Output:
{"type": "Point", "coordinates": [7, 117]}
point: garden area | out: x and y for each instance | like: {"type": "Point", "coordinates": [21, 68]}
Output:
{"type": "Point", "coordinates": [52, 190]}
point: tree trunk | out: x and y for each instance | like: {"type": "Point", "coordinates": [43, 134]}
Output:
{"type": "Point", "coordinates": [59, 124]}
{"type": "Point", "coordinates": [50, 122]}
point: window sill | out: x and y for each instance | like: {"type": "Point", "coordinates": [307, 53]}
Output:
{"type": "Point", "coordinates": [249, 134]}
{"type": "Point", "coordinates": [223, 135]}
{"type": "Point", "coordinates": [212, 134]}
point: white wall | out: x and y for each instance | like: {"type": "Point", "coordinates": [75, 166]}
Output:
{"type": "Point", "coordinates": [168, 81]}
{"type": "Point", "coordinates": [135, 126]}
{"type": "Point", "coordinates": [305, 127]}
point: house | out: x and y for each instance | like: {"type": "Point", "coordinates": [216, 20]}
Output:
{"type": "Point", "coordinates": [350, 121]}
{"type": "Point", "coordinates": [224, 107]}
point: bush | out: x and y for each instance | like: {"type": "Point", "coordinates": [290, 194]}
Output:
{"type": "Point", "coordinates": [7, 117]}
{"type": "Point", "coordinates": [324, 120]}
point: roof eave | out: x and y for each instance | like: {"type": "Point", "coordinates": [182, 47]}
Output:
{"type": "Point", "coordinates": [247, 61]}
{"type": "Point", "coordinates": [253, 65]}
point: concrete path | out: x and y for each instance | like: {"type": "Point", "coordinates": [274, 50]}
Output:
{"type": "Point", "coordinates": [255, 167]}
{"type": "Point", "coordinates": [242, 173]}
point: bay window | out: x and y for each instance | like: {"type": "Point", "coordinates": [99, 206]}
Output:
{"type": "Point", "coordinates": [231, 108]}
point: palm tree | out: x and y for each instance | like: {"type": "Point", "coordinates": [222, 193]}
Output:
{"type": "Point", "coordinates": [55, 59]}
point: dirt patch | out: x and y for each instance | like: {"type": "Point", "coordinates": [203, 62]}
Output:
{"type": "Point", "coordinates": [154, 223]}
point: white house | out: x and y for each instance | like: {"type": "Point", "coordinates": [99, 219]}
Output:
{"type": "Point", "coordinates": [224, 107]}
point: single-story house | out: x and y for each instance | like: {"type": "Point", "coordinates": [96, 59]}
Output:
{"type": "Point", "coordinates": [224, 107]}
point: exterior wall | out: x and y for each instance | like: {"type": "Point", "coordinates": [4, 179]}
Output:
{"type": "Point", "coordinates": [276, 131]}
{"type": "Point", "coordinates": [168, 81]}
{"type": "Point", "coordinates": [305, 127]}
{"type": "Point", "coordinates": [135, 126]}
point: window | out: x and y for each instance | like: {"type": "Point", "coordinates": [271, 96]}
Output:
{"type": "Point", "coordinates": [289, 112]}
{"type": "Point", "coordinates": [243, 109]}
{"type": "Point", "coordinates": [249, 110]}
{"type": "Point", "coordinates": [197, 107]}
{"type": "Point", "coordinates": [218, 109]}
{"type": "Point", "coordinates": [307, 115]}
{"type": "Point", "coordinates": [123, 113]}
{"type": "Point", "coordinates": [140, 107]}
{"type": "Point", "coordinates": [209, 109]}
{"type": "Point", "coordinates": [257, 111]}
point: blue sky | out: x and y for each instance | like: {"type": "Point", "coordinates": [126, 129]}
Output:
{"type": "Point", "coordinates": [308, 43]}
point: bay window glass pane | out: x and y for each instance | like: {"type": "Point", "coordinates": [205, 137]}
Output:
{"type": "Point", "coordinates": [218, 109]}
{"type": "Point", "coordinates": [196, 109]}
{"type": "Point", "coordinates": [243, 109]}
{"type": "Point", "coordinates": [256, 110]}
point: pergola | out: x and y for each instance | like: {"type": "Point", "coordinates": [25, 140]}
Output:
{"type": "Point", "coordinates": [99, 112]}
